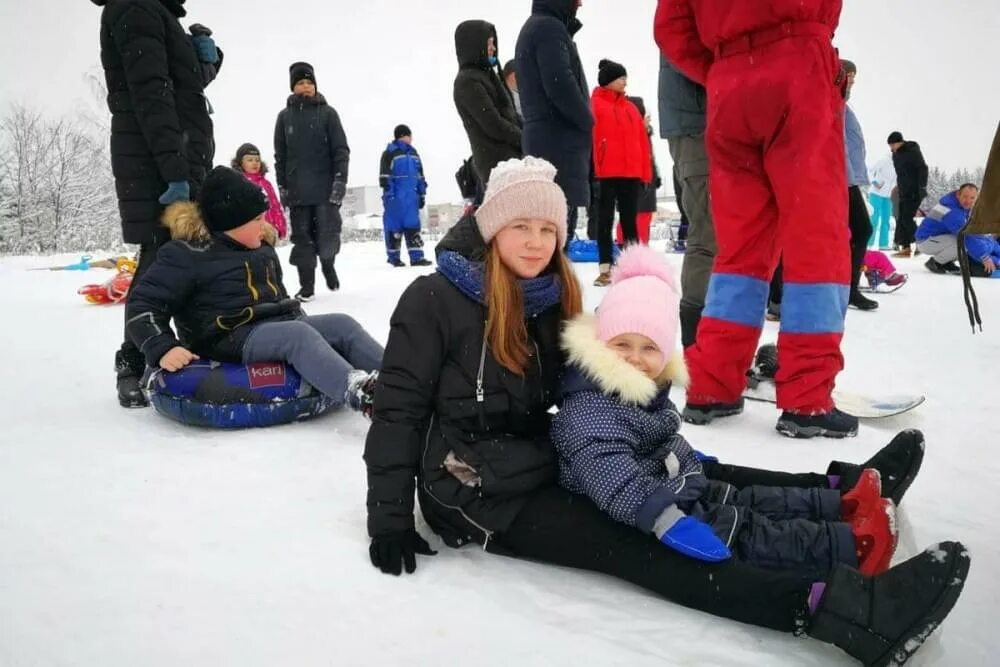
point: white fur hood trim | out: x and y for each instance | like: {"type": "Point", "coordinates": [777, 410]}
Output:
{"type": "Point", "coordinates": [611, 374]}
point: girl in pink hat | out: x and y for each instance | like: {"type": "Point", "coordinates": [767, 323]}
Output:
{"type": "Point", "coordinates": [617, 436]}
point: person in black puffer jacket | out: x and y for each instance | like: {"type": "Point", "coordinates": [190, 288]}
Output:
{"type": "Point", "coordinates": [555, 98]}
{"type": "Point", "coordinates": [911, 181]}
{"type": "Point", "coordinates": [222, 285]}
{"type": "Point", "coordinates": [311, 159]}
{"type": "Point", "coordinates": [482, 99]}
{"type": "Point", "coordinates": [161, 132]}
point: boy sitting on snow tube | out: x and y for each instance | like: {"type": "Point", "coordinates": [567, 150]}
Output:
{"type": "Point", "coordinates": [222, 285]}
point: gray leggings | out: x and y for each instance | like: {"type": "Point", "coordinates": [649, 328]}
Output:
{"type": "Point", "coordinates": [324, 349]}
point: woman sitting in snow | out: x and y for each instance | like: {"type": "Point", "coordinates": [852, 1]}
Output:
{"type": "Point", "coordinates": [470, 372]}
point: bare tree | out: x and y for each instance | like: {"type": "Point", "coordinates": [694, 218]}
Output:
{"type": "Point", "coordinates": [56, 189]}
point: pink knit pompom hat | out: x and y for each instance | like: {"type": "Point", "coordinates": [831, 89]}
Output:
{"type": "Point", "coordinates": [643, 299]}
{"type": "Point", "coordinates": [519, 190]}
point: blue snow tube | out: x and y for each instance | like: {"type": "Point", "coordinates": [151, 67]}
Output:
{"type": "Point", "coordinates": [225, 395]}
{"type": "Point", "coordinates": [585, 250]}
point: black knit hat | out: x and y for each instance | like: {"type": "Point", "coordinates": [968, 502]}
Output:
{"type": "Point", "coordinates": [895, 137]}
{"type": "Point", "coordinates": [244, 150]}
{"type": "Point", "coordinates": [401, 131]}
{"type": "Point", "coordinates": [299, 71]}
{"type": "Point", "coordinates": [229, 201]}
{"type": "Point", "coordinates": [608, 71]}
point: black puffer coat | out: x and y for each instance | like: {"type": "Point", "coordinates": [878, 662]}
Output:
{"type": "Point", "coordinates": [310, 150]}
{"type": "Point", "coordinates": [429, 429]}
{"type": "Point", "coordinates": [555, 100]}
{"type": "Point", "coordinates": [216, 290]}
{"type": "Point", "coordinates": [911, 172]}
{"type": "Point", "coordinates": [160, 126]}
{"type": "Point", "coordinates": [483, 102]}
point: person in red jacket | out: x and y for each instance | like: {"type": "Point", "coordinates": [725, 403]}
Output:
{"type": "Point", "coordinates": [622, 161]}
{"type": "Point", "coordinates": [775, 141]}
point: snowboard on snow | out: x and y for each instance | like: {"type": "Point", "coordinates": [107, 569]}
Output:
{"type": "Point", "coordinates": [856, 405]}
{"type": "Point", "coordinates": [760, 387]}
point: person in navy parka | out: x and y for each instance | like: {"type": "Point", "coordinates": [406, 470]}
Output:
{"type": "Point", "coordinates": [401, 176]}
{"type": "Point", "coordinates": [555, 98]}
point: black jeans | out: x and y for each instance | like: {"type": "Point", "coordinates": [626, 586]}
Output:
{"type": "Point", "coordinates": [561, 528]}
{"type": "Point", "coordinates": [860, 224]}
{"type": "Point", "coordinates": [623, 193]}
{"type": "Point", "coordinates": [906, 226]}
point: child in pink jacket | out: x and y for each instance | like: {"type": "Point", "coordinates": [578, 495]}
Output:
{"type": "Point", "coordinates": [879, 269]}
{"type": "Point", "coordinates": [248, 163]}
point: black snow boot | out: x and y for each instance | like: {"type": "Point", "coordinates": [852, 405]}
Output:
{"type": "Point", "coordinates": [861, 302]}
{"type": "Point", "coordinates": [706, 413]}
{"type": "Point", "coordinates": [330, 274]}
{"type": "Point", "coordinates": [883, 620]}
{"type": "Point", "coordinates": [307, 284]}
{"type": "Point", "coordinates": [898, 463]}
{"type": "Point", "coordinates": [129, 367]}
{"type": "Point", "coordinates": [423, 261]}
{"type": "Point", "coordinates": [833, 424]}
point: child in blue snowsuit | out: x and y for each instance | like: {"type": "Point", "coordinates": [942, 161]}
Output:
{"type": "Point", "coordinates": [401, 176]}
{"type": "Point", "coordinates": [616, 435]}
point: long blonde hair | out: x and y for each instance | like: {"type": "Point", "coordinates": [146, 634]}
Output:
{"type": "Point", "coordinates": [506, 333]}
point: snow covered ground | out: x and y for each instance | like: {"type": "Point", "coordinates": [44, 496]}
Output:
{"type": "Point", "coordinates": [127, 539]}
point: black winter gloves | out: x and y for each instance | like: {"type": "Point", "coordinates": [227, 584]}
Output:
{"type": "Point", "coordinates": [391, 552]}
{"type": "Point", "coordinates": [338, 191]}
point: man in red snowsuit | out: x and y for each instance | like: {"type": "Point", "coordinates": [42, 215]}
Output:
{"type": "Point", "coordinates": [775, 141]}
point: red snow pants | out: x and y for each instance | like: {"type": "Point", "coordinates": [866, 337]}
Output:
{"type": "Point", "coordinates": [775, 141]}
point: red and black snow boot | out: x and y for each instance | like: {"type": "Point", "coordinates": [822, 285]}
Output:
{"type": "Point", "coordinates": [875, 538]}
{"type": "Point", "coordinates": [898, 464]}
{"type": "Point", "coordinates": [864, 498]}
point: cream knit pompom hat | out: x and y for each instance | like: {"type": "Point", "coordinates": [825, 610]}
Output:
{"type": "Point", "coordinates": [519, 190]}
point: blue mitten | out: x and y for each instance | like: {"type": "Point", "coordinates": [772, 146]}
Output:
{"type": "Point", "coordinates": [705, 458]}
{"type": "Point", "coordinates": [695, 538]}
{"type": "Point", "coordinates": [205, 47]}
{"type": "Point", "coordinates": [176, 191]}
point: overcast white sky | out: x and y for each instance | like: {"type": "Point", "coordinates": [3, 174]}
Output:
{"type": "Point", "coordinates": [926, 67]}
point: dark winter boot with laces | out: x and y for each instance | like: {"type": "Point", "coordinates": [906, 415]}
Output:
{"type": "Point", "coordinates": [897, 463]}
{"type": "Point", "coordinates": [360, 393]}
{"type": "Point", "coordinates": [706, 413]}
{"type": "Point", "coordinates": [833, 424]}
{"type": "Point", "coordinates": [330, 274]}
{"type": "Point", "coordinates": [883, 620]}
{"type": "Point", "coordinates": [129, 367]}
